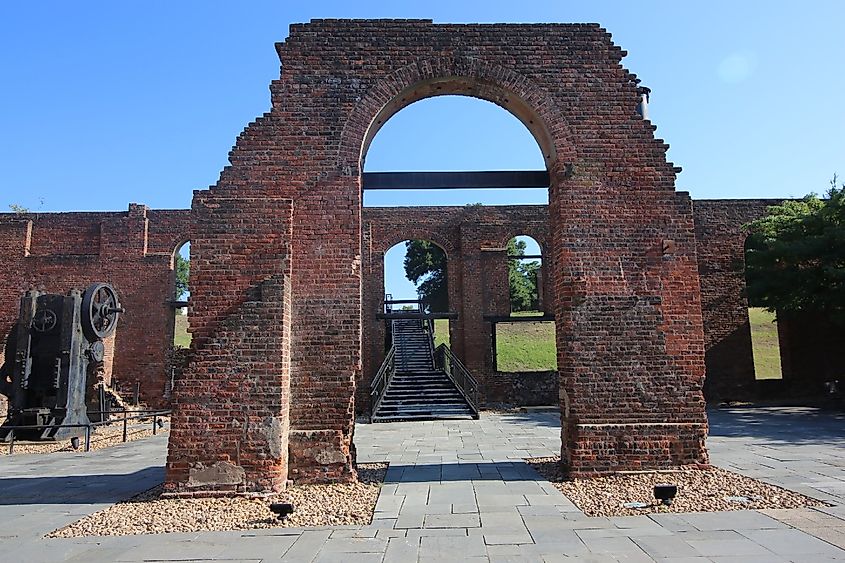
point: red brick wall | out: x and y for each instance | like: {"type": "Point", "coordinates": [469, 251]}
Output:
{"type": "Point", "coordinates": [630, 342]}
{"type": "Point", "coordinates": [131, 250]}
{"type": "Point", "coordinates": [230, 425]}
{"type": "Point", "coordinates": [720, 234]}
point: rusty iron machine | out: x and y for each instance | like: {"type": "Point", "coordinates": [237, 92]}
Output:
{"type": "Point", "coordinates": [52, 357]}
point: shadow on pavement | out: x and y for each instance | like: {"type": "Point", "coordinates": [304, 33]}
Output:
{"type": "Point", "coordinates": [78, 489]}
{"type": "Point", "coordinates": [445, 472]}
{"type": "Point", "coordinates": [798, 425]}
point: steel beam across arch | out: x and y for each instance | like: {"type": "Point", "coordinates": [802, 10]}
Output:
{"type": "Point", "coordinates": [498, 179]}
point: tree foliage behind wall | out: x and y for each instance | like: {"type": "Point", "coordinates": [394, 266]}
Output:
{"type": "Point", "coordinates": [425, 266]}
{"type": "Point", "coordinates": [795, 256]}
{"type": "Point", "coordinates": [183, 270]}
{"type": "Point", "coordinates": [522, 279]}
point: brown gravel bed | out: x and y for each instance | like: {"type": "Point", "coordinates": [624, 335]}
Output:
{"type": "Point", "coordinates": [699, 490]}
{"type": "Point", "coordinates": [316, 505]}
{"type": "Point", "coordinates": [104, 437]}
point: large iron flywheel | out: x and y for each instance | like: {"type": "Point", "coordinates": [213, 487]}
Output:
{"type": "Point", "coordinates": [100, 311]}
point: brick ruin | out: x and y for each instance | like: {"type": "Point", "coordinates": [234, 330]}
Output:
{"type": "Point", "coordinates": [132, 250]}
{"type": "Point", "coordinates": [645, 286]}
{"type": "Point", "coordinates": [277, 253]}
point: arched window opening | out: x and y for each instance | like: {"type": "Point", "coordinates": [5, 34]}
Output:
{"type": "Point", "coordinates": [765, 341]}
{"type": "Point", "coordinates": [415, 274]}
{"type": "Point", "coordinates": [415, 279]}
{"type": "Point", "coordinates": [182, 291]}
{"type": "Point", "coordinates": [525, 262]}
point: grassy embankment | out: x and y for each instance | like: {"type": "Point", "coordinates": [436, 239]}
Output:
{"type": "Point", "coordinates": [764, 343]}
{"type": "Point", "coordinates": [181, 338]}
{"type": "Point", "coordinates": [523, 346]}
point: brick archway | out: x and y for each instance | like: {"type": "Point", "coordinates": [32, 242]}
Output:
{"type": "Point", "coordinates": [278, 252]}
{"type": "Point", "coordinates": [460, 76]}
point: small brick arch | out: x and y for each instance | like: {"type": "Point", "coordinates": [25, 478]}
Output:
{"type": "Point", "coordinates": [443, 244]}
{"type": "Point", "coordinates": [540, 237]}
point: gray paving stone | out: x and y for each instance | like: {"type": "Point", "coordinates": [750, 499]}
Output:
{"type": "Point", "coordinates": [738, 546]}
{"type": "Point", "coordinates": [257, 547]}
{"type": "Point", "coordinates": [788, 542]}
{"type": "Point", "coordinates": [452, 546]}
{"type": "Point", "coordinates": [355, 545]}
{"type": "Point", "coordinates": [401, 550]}
{"type": "Point", "coordinates": [666, 547]}
{"type": "Point", "coordinates": [307, 546]}
{"type": "Point", "coordinates": [451, 521]}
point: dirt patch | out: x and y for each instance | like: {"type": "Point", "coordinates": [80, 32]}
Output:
{"type": "Point", "coordinates": [316, 505]}
{"type": "Point", "coordinates": [699, 490]}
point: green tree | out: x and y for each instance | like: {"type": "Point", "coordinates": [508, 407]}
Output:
{"type": "Point", "coordinates": [425, 266]}
{"type": "Point", "coordinates": [522, 278]}
{"type": "Point", "coordinates": [795, 256]}
{"type": "Point", "coordinates": [183, 270]}
{"type": "Point", "coordinates": [16, 208]}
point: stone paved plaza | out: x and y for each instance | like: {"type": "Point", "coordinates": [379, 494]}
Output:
{"type": "Point", "coordinates": [458, 491]}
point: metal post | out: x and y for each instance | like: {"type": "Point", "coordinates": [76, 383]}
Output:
{"type": "Point", "coordinates": [102, 402]}
{"type": "Point", "coordinates": [154, 424]}
{"type": "Point", "coordinates": [137, 393]}
{"type": "Point", "coordinates": [88, 438]}
{"type": "Point", "coordinates": [11, 441]}
{"type": "Point", "coordinates": [124, 425]}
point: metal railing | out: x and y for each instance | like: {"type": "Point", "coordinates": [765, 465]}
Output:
{"type": "Point", "coordinates": [382, 380]}
{"type": "Point", "coordinates": [428, 325]}
{"type": "Point", "coordinates": [456, 371]}
{"type": "Point", "coordinates": [405, 305]}
{"type": "Point", "coordinates": [154, 414]}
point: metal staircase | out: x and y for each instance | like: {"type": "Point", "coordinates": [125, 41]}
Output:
{"type": "Point", "coordinates": [411, 386]}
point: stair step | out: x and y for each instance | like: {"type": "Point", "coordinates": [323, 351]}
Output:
{"type": "Point", "coordinates": [395, 417]}
{"type": "Point", "coordinates": [418, 390]}
{"type": "Point", "coordinates": [425, 409]}
{"type": "Point", "coordinates": [451, 400]}
{"type": "Point", "coordinates": [431, 392]}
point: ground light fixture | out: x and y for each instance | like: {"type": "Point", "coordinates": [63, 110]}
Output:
{"type": "Point", "coordinates": [74, 442]}
{"type": "Point", "coordinates": [665, 492]}
{"type": "Point", "coordinates": [281, 509]}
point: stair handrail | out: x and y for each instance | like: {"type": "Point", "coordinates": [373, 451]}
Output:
{"type": "Point", "coordinates": [381, 381]}
{"type": "Point", "coordinates": [429, 328]}
{"type": "Point", "coordinates": [460, 376]}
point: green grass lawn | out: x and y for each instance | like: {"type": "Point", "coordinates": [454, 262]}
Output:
{"type": "Point", "coordinates": [764, 344]}
{"type": "Point", "coordinates": [181, 337]}
{"type": "Point", "coordinates": [441, 332]}
{"type": "Point", "coordinates": [526, 346]}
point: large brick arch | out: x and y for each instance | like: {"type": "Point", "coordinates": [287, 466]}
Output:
{"type": "Point", "coordinates": [277, 250]}
{"type": "Point", "coordinates": [460, 76]}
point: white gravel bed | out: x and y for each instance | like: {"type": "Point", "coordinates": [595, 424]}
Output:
{"type": "Point", "coordinates": [315, 505]}
{"type": "Point", "coordinates": [105, 436]}
{"type": "Point", "coordinates": [699, 490]}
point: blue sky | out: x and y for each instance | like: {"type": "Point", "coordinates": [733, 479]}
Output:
{"type": "Point", "coordinates": [104, 103]}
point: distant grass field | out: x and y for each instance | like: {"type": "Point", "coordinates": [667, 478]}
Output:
{"type": "Point", "coordinates": [181, 338]}
{"type": "Point", "coordinates": [764, 344]}
{"type": "Point", "coordinates": [526, 346]}
{"type": "Point", "coordinates": [441, 332]}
